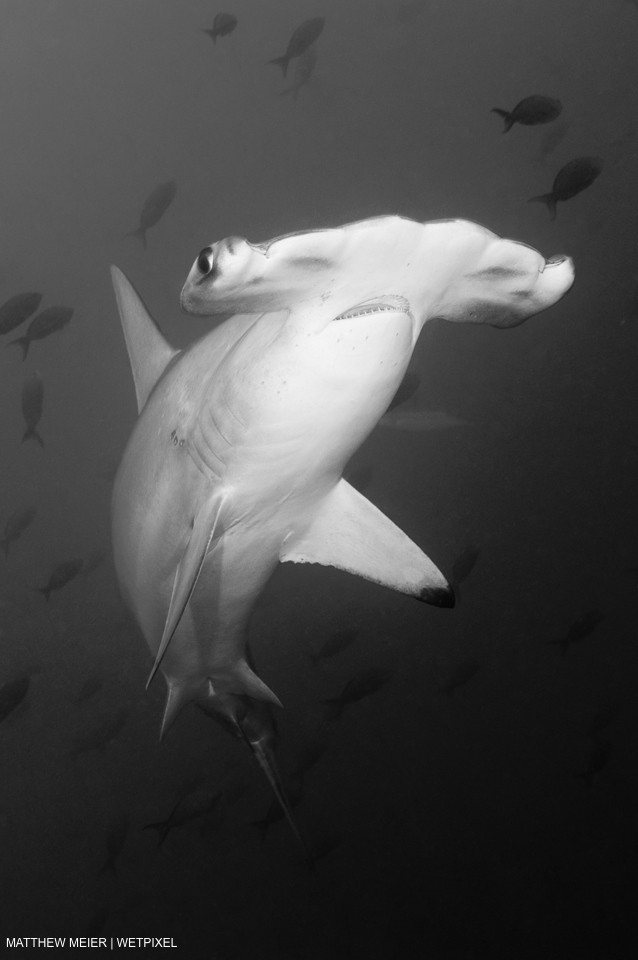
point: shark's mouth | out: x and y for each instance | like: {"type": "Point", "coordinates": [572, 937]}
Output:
{"type": "Point", "coordinates": [391, 304]}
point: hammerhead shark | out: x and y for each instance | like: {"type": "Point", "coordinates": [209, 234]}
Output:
{"type": "Point", "coordinates": [235, 463]}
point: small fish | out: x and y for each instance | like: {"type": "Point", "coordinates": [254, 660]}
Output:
{"type": "Point", "coordinates": [194, 806]}
{"type": "Point", "coordinates": [460, 676]}
{"type": "Point", "coordinates": [570, 180]}
{"type": "Point", "coordinates": [223, 24]}
{"type": "Point", "coordinates": [32, 400]}
{"type": "Point", "coordinates": [100, 736]}
{"type": "Point", "coordinates": [462, 568]}
{"type": "Point", "coordinates": [43, 325]}
{"type": "Point", "coordinates": [336, 642]}
{"type": "Point", "coordinates": [115, 838]}
{"type": "Point", "coordinates": [580, 628]}
{"type": "Point", "coordinates": [63, 574]}
{"type": "Point", "coordinates": [421, 420]}
{"type": "Point", "coordinates": [89, 688]}
{"type": "Point", "coordinates": [304, 69]}
{"type": "Point", "coordinates": [15, 311]}
{"type": "Point", "coordinates": [408, 387]}
{"type": "Point", "coordinates": [598, 760]}
{"type": "Point", "coordinates": [530, 111]}
{"type": "Point", "coordinates": [601, 720]}
{"type": "Point", "coordinates": [363, 685]}
{"type": "Point", "coordinates": [16, 525]}
{"type": "Point", "coordinates": [155, 206]}
{"type": "Point", "coordinates": [12, 694]}
{"type": "Point", "coordinates": [554, 136]}
{"type": "Point", "coordinates": [303, 37]}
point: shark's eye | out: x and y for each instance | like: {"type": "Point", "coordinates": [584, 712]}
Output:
{"type": "Point", "coordinates": [205, 261]}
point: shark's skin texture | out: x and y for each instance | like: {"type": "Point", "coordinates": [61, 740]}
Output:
{"type": "Point", "coordinates": [236, 461]}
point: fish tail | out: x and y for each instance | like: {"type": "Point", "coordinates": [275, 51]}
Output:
{"type": "Point", "coordinates": [549, 200]}
{"type": "Point", "coordinates": [507, 117]}
{"type": "Point", "coordinates": [162, 827]}
{"type": "Point", "coordinates": [140, 233]}
{"type": "Point", "coordinates": [32, 433]}
{"type": "Point", "coordinates": [281, 62]}
{"type": "Point", "coordinates": [45, 591]}
{"type": "Point", "coordinates": [23, 342]}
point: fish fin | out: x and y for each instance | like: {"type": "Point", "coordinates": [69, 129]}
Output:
{"type": "Point", "coordinates": [247, 683]}
{"type": "Point", "coordinates": [548, 199]}
{"type": "Point", "coordinates": [507, 117]}
{"type": "Point", "coordinates": [32, 433]}
{"type": "Point", "coordinates": [206, 527]}
{"type": "Point", "coordinates": [181, 692]}
{"type": "Point", "coordinates": [281, 62]}
{"type": "Point", "coordinates": [45, 591]}
{"type": "Point", "coordinates": [162, 827]}
{"type": "Point", "coordinates": [350, 533]}
{"type": "Point", "coordinates": [23, 342]}
{"type": "Point", "coordinates": [148, 351]}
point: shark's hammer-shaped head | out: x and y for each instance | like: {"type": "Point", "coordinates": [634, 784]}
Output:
{"type": "Point", "coordinates": [452, 269]}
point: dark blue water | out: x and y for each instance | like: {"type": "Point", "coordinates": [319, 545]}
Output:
{"type": "Point", "coordinates": [494, 820]}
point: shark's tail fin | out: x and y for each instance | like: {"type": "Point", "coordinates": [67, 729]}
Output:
{"type": "Point", "coordinates": [507, 117]}
{"type": "Point", "coordinates": [549, 200]}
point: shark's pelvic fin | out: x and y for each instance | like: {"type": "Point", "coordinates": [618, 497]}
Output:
{"type": "Point", "coordinates": [148, 351]}
{"type": "Point", "coordinates": [350, 533]}
{"type": "Point", "coordinates": [206, 527]}
{"type": "Point", "coordinates": [181, 692]}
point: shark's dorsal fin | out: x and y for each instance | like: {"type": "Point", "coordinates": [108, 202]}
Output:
{"type": "Point", "coordinates": [206, 527]}
{"type": "Point", "coordinates": [350, 533]}
{"type": "Point", "coordinates": [148, 351]}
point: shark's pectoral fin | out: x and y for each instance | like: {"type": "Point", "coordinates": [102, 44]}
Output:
{"type": "Point", "coordinates": [350, 533]}
{"type": "Point", "coordinates": [148, 351]}
{"type": "Point", "coordinates": [206, 527]}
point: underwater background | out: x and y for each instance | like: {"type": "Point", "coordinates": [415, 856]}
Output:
{"type": "Point", "coordinates": [483, 800]}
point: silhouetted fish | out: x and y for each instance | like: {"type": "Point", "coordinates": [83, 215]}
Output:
{"type": "Point", "coordinates": [117, 832]}
{"type": "Point", "coordinates": [32, 399]}
{"type": "Point", "coordinates": [530, 111]}
{"type": "Point", "coordinates": [43, 325]}
{"type": "Point", "coordinates": [12, 694]}
{"type": "Point", "coordinates": [580, 628]}
{"type": "Point", "coordinates": [336, 642]}
{"type": "Point", "coordinates": [223, 24]}
{"type": "Point", "coordinates": [89, 688]}
{"type": "Point", "coordinates": [100, 736]}
{"type": "Point", "coordinates": [302, 38]}
{"type": "Point", "coordinates": [408, 387]}
{"type": "Point", "coordinates": [63, 574]}
{"type": "Point", "coordinates": [598, 760]}
{"type": "Point", "coordinates": [460, 676]}
{"type": "Point", "coordinates": [570, 180]}
{"type": "Point", "coordinates": [364, 684]}
{"type": "Point", "coordinates": [16, 525]}
{"type": "Point", "coordinates": [195, 805]}
{"type": "Point", "coordinates": [304, 69]}
{"type": "Point", "coordinates": [16, 310]}
{"type": "Point", "coordinates": [155, 206]}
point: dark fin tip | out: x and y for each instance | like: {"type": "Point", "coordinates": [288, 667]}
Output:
{"type": "Point", "coordinates": [443, 597]}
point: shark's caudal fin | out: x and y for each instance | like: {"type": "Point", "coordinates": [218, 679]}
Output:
{"type": "Point", "coordinates": [148, 351]}
{"type": "Point", "coordinates": [350, 533]}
